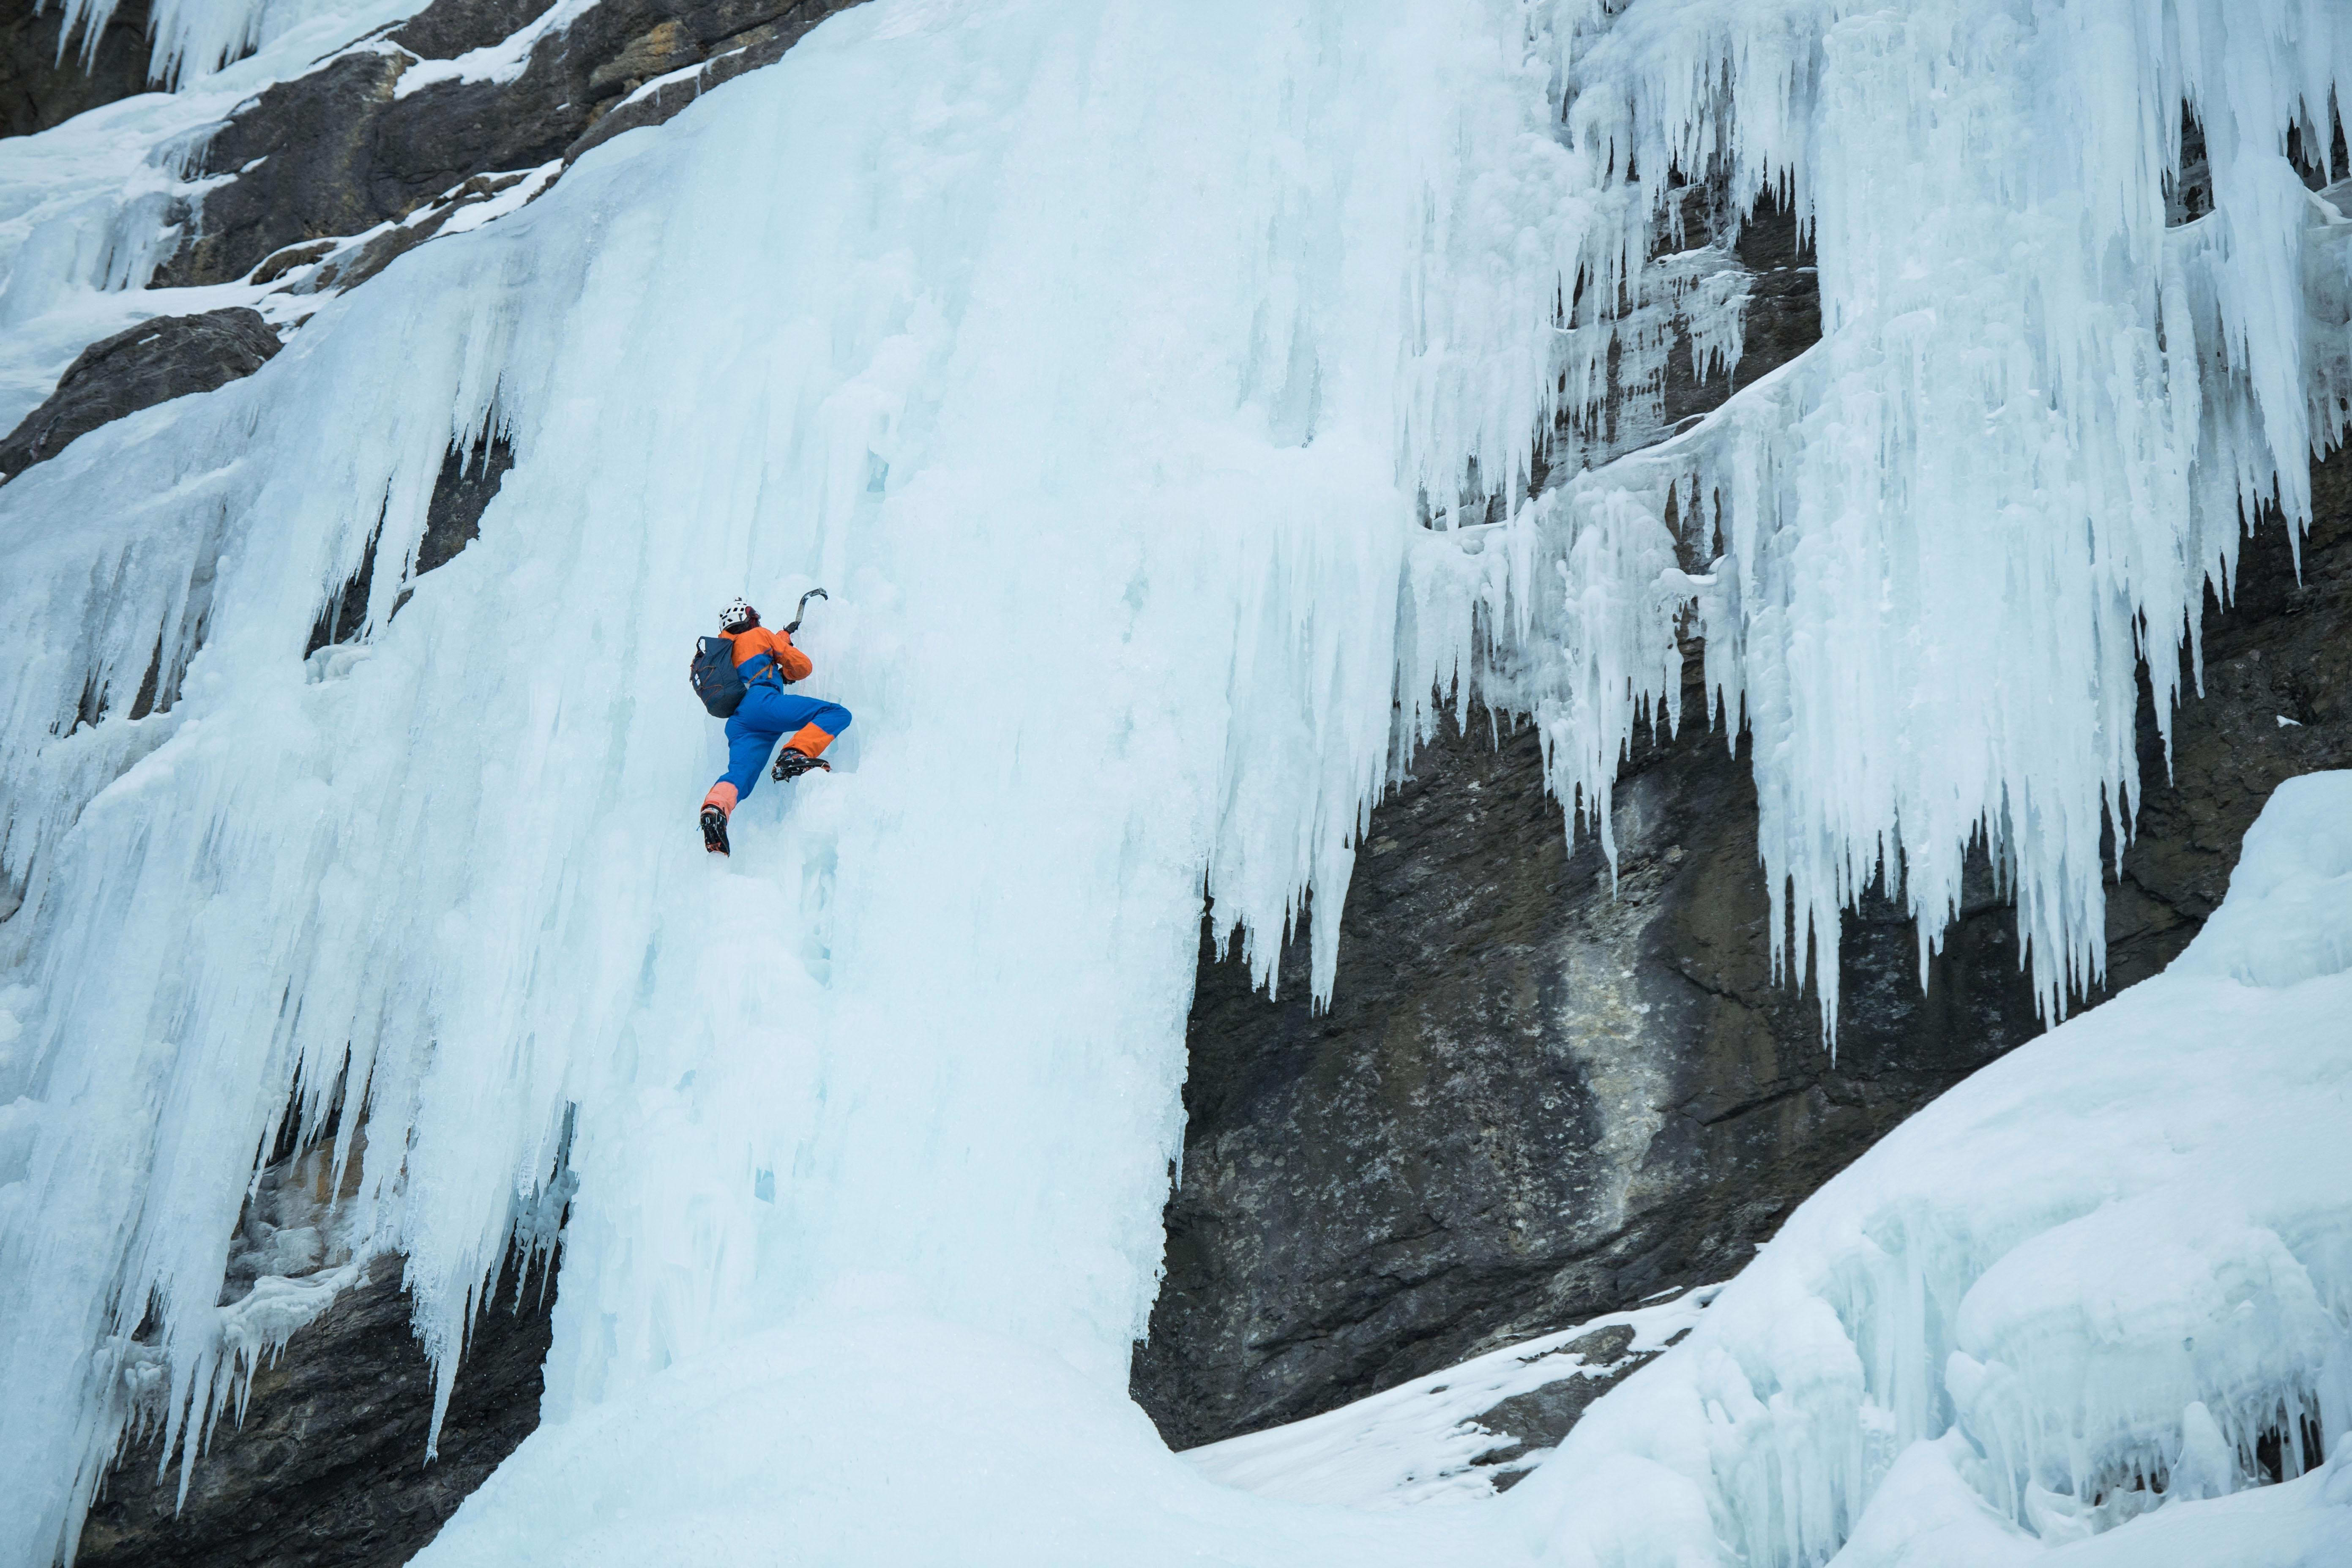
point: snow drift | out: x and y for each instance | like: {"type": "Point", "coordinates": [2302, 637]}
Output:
{"type": "Point", "coordinates": [1123, 373]}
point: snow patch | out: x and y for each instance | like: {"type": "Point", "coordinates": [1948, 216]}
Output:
{"type": "Point", "coordinates": [502, 61]}
{"type": "Point", "coordinates": [1423, 1441]}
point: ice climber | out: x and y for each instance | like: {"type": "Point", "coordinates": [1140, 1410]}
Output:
{"type": "Point", "coordinates": [768, 662]}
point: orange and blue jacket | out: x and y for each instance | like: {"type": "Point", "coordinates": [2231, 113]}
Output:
{"type": "Point", "coordinates": [761, 654]}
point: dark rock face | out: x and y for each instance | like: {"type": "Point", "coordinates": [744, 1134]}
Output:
{"type": "Point", "coordinates": [339, 153]}
{"type": "Point", "coordinates": [327, 1470]}
{"type": "Point", "coordinates": [38, 89]}
{"type": "Point", "coordinates": [1783, 317]}
{"type": "Point", "coordinates": [449, 29]}
{"type": "Point", "coordinates": [2282, 650]}
{"type": "Point", "coordinates": [153, 362]}
{"type": "Point", "coordinates": [1533, 1102]}
{"type": "Point", "coordinates": [310, 134]}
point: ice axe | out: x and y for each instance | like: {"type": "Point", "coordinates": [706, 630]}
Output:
{"type": "Point", "coordinates": [803, 610]}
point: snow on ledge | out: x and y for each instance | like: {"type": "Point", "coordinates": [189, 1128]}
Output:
{"type": "Point", "coordinates": [502, 61]}
{"type": "Point", "coordinates": [1423, 1441]}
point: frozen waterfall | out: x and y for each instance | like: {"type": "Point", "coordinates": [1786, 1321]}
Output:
{"type": "Point", "coordinates": [1122, 371]}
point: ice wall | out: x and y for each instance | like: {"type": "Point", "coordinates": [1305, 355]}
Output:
{"type": "Point", "coordinates": [1928, 558]}
{"type": "Point", "coordinates": [1105, 363]}
{"type": "Point", "coordinates": [1104, 424]}
{"type": "Point", "coordinates": [190, 39]}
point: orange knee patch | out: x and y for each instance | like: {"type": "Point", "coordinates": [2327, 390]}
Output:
{"type": "Point", "coordinates": [809, 741]}
{"type": "Point", "coordinates": [722, 795]}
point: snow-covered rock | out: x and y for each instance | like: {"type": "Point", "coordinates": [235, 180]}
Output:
{"type": "Point", "coordinates": [170, 356]}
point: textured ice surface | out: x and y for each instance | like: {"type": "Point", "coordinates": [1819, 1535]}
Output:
{"type": "Point", "coordinates": [1113, 513]}
{"type": "Point", "coordinates": [191, 40]}
{"type": "Point", "coordinates": [861, 1435]}
{"type": "Point", "coordinates": [1103, 360]}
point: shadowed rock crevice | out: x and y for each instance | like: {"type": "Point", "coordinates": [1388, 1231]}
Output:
{"type": "Point", "coordinates": [2282, 650]}
{"type": "Point", "coordinates": [469, 479]}
{"type": "Point", "coordinates": [462, 492]}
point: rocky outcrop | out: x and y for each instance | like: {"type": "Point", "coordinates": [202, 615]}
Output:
{"type": "Point", "coordinates": [326, 1469]}
{"type": "Point", "coordinates": [154, 362]}
{"type": "Point", "coordinates": [2277, 702]}
{"type": "Point", "coordinates": [344, 150]}
{"type": "Point", "coordinates": [39, 88]}
{"type": "Point", "coordinates": [1535, 1422]}
{"type": "Point", "coordinates": [1535, 1098]}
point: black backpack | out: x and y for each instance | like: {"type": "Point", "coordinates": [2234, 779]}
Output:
{"type": "Point", "coordinates": [715, 681]}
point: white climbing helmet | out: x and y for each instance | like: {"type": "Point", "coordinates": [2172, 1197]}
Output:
{"type": "Point", "coordinates": [737, 615]}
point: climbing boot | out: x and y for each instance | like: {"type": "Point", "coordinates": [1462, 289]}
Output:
{"type": "Point", "coordinates": [714, 830]}
{"type": "Point", "coordinates": [791, 764]}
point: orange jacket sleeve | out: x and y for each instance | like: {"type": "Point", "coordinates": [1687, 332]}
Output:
{"type": "Point", "coordinates": [796, 663]}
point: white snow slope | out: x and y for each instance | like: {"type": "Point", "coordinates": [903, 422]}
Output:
{"type": "Point", "coordinates": [1099, 358]}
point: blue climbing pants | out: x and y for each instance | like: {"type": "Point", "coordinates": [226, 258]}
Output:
{"type": "Point", "coordinates": [768, 713]}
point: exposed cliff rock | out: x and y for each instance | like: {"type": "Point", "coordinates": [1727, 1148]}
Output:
{"type": "Point", "coordinates": [1535, 1100]}
{"type": "Point", "coordinates": [2277, 704]}
{"type": "Point", "coordinates": [154, 362]}
{"type": "Point", "coordinates": [352, 146]}
{"type": "Point", "coordinates": [39, 88]}
{"type": "Point", "coordinates": [327, 1468]}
